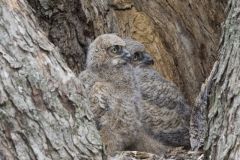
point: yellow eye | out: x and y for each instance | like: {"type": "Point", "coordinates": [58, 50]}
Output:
{"type": "Point", "coordinates": [137, 56]}
{"type": "Point", "coordinates": [114, 50]}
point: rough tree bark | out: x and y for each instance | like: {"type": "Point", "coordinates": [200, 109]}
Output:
{"type": "Point", "coordinates": [182, 36]}
{"type": "Point", "coordinates": [43, 113]}
{"type": "Point", "coordinates": [224, 115]}
{"type": "Point", "coordinates": [67, 27]}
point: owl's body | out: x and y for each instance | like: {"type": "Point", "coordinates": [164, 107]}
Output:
{"type": "Point", "coordinates": [165, 113]}
{"type": "Point", "coordinates": [114, 97]}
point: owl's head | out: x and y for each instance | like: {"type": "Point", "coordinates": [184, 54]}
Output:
{"type": "Point", "coordinates": [107, 50]}
{"type": "Point", "coordinates": [139, 56]}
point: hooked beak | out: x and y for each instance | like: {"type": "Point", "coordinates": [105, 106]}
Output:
{"type": "Point", "coordinates": [147, 60]}
{"type": "Point", "coordinates": [126, 55]}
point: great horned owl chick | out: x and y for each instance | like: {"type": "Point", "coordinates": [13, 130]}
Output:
{"type": "Point", "coordinates": [114, 97]}
{"type": "Point", "coordinates": [165, 113]}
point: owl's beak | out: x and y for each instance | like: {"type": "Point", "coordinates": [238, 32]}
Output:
{"type": "Point", "coordinates": [126, 55]}
{"type": "Point", "coordinates": [147, 60]}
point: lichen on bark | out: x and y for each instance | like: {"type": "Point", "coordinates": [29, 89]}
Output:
{"type": "Point", "coordinates": [223, 118]}
{"type": "Point", "coordinates": [44, 113]}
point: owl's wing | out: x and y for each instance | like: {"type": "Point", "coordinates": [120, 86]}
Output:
{"type": "Point", "coordinates": [97, 92]}
{"type": "Point", "coordinates": [88, 79]}
{"type": "Point", "coordinates": [157, 90]}
{"type": "Point", "coordinates": [161, 93]}
{"type": "Point", "coordinates": [107, 112]}
{"type": "Point", "coordinates": [99, 97]}
{"type": "Point", "coordinates": [166, 125]}
{"type": "Point", "coordinates": [166, 111]}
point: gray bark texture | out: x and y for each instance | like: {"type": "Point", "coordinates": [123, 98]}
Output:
{"type": "Point", "coordinates": [43, 113]}
{"type": "Point", "coordinates": [198, 121]}
{"type": "Point", "coordinates": [223, 140]}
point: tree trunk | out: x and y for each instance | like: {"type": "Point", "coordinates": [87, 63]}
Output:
{"type": "Point", "coordinates": [182, 36]}
{"type": "Point", "coordinates": [43, 111]}
{"type": "Point", "coordinates": [224, 115]}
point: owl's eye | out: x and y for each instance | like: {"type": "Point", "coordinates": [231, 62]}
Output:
{"type": "Point", "coordinates": [114, 50]}
{"type": "Point", "coordinates": [137, 56]}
